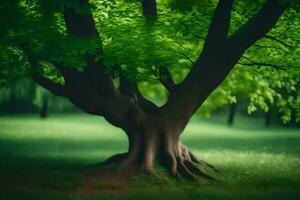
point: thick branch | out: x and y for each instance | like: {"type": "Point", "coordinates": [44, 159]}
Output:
{"type": "Point", "coordinates": [219, 27]}
{"type": "Point", "coordinates": [66, 72]}
{"type": "Point", "coordinates": [83, 25]}
{"type": "Point", "coordinates": [55, 88]}
{"type": "Point", "coordinates": [131, 90]}
{"type": "Point", "coordinates": [46, 83]}
{"type": "Point", "coordinates": [166, 79]}
{"type": "Point", "coordinates": [219, 56]}
{"type": "Point", "coordinates": [99, 79]}
{"type": "Point", "coordinates": [149, 8]}
{"type": "Point", "coordinates": [257, 26]}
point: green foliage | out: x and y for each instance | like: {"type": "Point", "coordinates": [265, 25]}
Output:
{"type": "Point", "coordinates": [37, 29]}
{"type": "Point", "coordinates": [13, 65]}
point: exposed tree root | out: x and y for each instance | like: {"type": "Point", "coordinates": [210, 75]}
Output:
{"type": "Point", "coordinates": [202, 162]}
{"type": "Point", "coordinates": [166, 151]}
{"type": "Point", "coordinates": [195, 170]}
{"type": "Point", "coordinates": [180, 166]}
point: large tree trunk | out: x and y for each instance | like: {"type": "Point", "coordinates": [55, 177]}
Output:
{"type": "Point", "coordinates": [157, 143]}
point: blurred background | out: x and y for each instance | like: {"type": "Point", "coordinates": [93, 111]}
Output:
{"type": "Point", "coordinates": [26, 97]}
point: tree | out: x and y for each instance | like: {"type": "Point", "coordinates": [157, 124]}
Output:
{"type": "Point", "coordinates": [59, 45]}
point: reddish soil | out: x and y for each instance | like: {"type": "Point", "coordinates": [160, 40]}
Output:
{"type": "Point", "coordinates": [105, 181]}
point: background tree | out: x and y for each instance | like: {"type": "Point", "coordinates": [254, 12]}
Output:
{"type": "Point", "coordinates": [58, 44]}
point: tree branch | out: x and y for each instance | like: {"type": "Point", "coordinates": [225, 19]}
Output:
{"type": "Point", "coordinates": [55, 88]}
{"type": "Point", "coordinates": [166, 79]}
{"type": "Point", "coordinates": [260, 64]}
{"type": "Point", "coordinates": [219, 26]}
{"type": "Point", "coordinates": [187, 58]}
{"type": "Point", "coordinates": [99, 79]}
{"type": "Point", "coordinates": [199, 36]}
{"type": "Point", "coordinates": [66, 72]}
{"type": "Point", "coordinates": [131, 90]}
{"type": "Point", "coordinates": [278, 41]}
{"type": "Point", "coordinates": [83, 25]}
{"type": "Point", "coordinates": [149, 8]}
{"type": "Point", "coordinates": [257, 26]}
{"type": "Point", "coordinates": [267, 47]}
{"type": "Point", "coordinates": [219, 56]}
{"type": "Point", "coordinates": [183, 54]}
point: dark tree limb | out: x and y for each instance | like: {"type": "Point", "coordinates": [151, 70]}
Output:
{"type": "Point", "coordinates": [55, 88]}
{"type": "Point", "coordinates": [149, 8]}
{"type": "Point", "coordinates": [46, 83]}
{"type": "Point", "coordinates": [66, 72]}
{"type": "Point", "coordinates": [99, 79]}
{"type": "Point", "coordinates": [218, 58]}
{"type": "Point", "coordinates": [83, 25]}
{"type": "Point", "coordinates": [131, 90]}
{"type": "Point", "coordinates": [165, 77]}
{"type": "Point", "coordinates": [257, 26]}
{"type": "Point", "coordinates": [219, 27]}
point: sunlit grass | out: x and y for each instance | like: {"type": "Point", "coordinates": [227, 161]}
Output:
{"type": "Point", "coordinates": [255, 162]}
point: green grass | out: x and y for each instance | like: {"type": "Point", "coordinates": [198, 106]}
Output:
{"type": "Point", "coordinates": [49, 156]}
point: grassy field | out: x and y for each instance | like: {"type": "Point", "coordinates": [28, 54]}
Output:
{"type": "Point", "coordinates": [44, 159]}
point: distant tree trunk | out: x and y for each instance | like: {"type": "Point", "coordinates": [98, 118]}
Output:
{"type": "Point", "coordinates": [232, 112]}
{"type": "Point", "coordinates": [44, 109]}
{"type": "Point", "coordinates": [268, 118]}
{"type": "Point", "coordinates": [12, 103]}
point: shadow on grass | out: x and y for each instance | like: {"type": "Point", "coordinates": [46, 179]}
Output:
{"type": "Point", "coordinates": [50, 166]}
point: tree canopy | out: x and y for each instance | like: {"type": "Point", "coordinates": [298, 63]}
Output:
{"type": "Point", "coordinates": [143, 49]}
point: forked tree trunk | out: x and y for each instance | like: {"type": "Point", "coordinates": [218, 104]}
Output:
{"type": "Point", "coordinates": [154, 132]}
